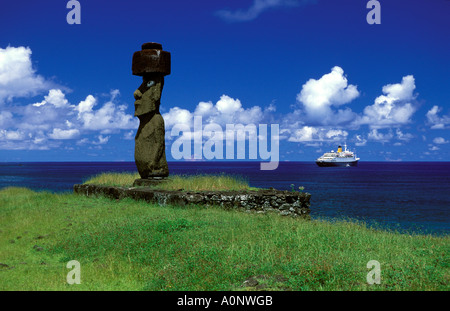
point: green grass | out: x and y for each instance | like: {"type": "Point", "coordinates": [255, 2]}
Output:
{"type": "Point", "coordinates": [176, 182]}
{"type": "Point", "coordinates": [113, 179]}
{"type": "Point", "coordinates": [131, 245]}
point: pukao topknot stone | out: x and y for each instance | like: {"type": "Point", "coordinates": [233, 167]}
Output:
{"type": "Point", "coordinates": [151, 59]}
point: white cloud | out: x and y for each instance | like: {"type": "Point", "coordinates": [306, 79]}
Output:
{"type": "Point", "coordinates": [254, 114]}
{"type": "Point", "coordinates": [82, 141]}
{"type": "Point", "coordinates": [101, 140]}
{"type": "Point", "coordinates": [336, 134]}
{"type": "Point", "coordinates": [177, 115]}
{"type": "Point", "coordinates": [320, 111]}
{"type": "Point", "coordinates": [392, 109]}
{"type": "Point", "coordinates": [319, 117]}
{"type": "Point", "coordinates": [258, 7]}
{"type": "Point", "coordinates": [404, 136]}
{"type": "Point", "coordinates": [55, 97]}
{"type": "Point", "coordinates": [64, 134]}
{"type": "Point", "coordinates": [433, 148]}
{"type": "Point", "coordinates": [360, 140]}
{"type": "Point", "coordinates": [228, 105]}
{"type": "Point", "coordinates": [86, 105]}
{"type": "Point", "coordinates": [56, 119]}
{"type": "Point", "coordinates": [6, 119]}
{"type": "Point", "coordinates": [380, 137]}
{"type": "Point", "coordinates": [17, 76]}
{"type": "Point", "coordinates": [227, 110]}
{"type": "Point", "coordinates": [45, 124]}
{"type": "Point", "coordinates": [317, 98]}
{"type": "Point", "coordinates": [440, 141]}
{"type": "Point", "coordinates": [129, 135]}
{"type": "Point", "coordinates": [304, 134]}
{"type": "Point", "coordinates": [108, 118]}
{"type": "Point", "coordinates": [53, 112]}
{"type": "Point", "coordinates": [395, 92]}
{"type": "Point", "coordinates": [12, 135]}
{"type": "Point", "coordinates": [205, 109]}
{"type": "Point", "coordinates": [307, 134]}
{"type": "Point", "coordinates": [435, 120]}
{"type": "Point", "coordinates": [19, 140]}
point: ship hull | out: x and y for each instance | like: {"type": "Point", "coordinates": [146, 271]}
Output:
{"type": "Point", "coordinates": [336, 164]}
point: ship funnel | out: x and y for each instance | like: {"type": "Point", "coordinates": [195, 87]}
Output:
{"type": "Point", "coordinates": [339, 149]}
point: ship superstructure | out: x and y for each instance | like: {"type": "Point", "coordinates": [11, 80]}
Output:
{"type": "Point", "coordinates": [339, 158]}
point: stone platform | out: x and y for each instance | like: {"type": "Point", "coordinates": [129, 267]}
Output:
{"type": "Point", "coordinates": [149, 182]}
{"type": "Point", "coordinates": [285, 203]}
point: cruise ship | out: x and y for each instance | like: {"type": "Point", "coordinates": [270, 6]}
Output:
{"type": "Point", "coordinates": [339, 158]}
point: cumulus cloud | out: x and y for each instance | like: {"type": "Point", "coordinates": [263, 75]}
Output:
{"type": "Point", "coordinates": [12, 135]}
{"type": "Point", "coordinates": [393, 108]}
{"type": "Point", "coordinates": [440, 141]}
{"type": "Point", "coordinates": [304, 134]}
{"type": "Point", "coordinates": [86, 105]}
{"type": "Point", "coordinates": [229, 110]}
{"type": "Point", "coordinates": [360, 140]}
{"type": "Point", "coordinates": [64, 134]}
{"type": "Point", "coordinates": [258, 7]}
{"type": "Point", "coordinates": [436, 121]}
{"type": "Point", "coordinates": [6, 119]}
{"type": "Point", "coordinates": [43, 124]}
{"type": "Point", "coordinates": [403, 136]}
{"type": "Point", "coordinates": [110, 117]}
{"type": "Point", "coordinates": [375, 135]}
{"type": "Point", "coordinates": [48, 123]}
{"type": "Point", "coordinates": [227, 105]}
{"type": "Point", "coordinates": [129, 135]}
{"type": "Point", "coordinates": [22, 140]}
{"type": "Point", "coordinates": [101, 140]}
{"type": "Point", "coordinates": [226, 110]}
{"type": "Point", "coordinates": [18, 78]}
{"type": "Point", "coordinates": [226, 119]}
{"type": "Point", "coordinates": [319, 116]}
{"type": "Point", "coordinates": [307, 134]}
{"type": "Point", "coordinates": [336, 133]}
{"type": "Point", "coordinates": [55, 97]}
{"type": "Point", "coordinates": [319, 97]}
{"type": "Point", "coordinates": [321, 109]}
{"type": "Point", "coordinates": [52, 112]}
{"type": "Point", "coordinates": [433, 148]}
{"type": "Point", "coordinates": [177, 115]}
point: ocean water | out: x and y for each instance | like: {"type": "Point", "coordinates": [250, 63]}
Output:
{"type": "Point", "coordinates": [404, 196]}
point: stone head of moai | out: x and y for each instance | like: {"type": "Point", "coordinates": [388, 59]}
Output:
{"type": "Point", "coordinates": [152, 63]}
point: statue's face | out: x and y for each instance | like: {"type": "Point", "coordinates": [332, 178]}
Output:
{"type": "Point", "coordinates": [148, 95]}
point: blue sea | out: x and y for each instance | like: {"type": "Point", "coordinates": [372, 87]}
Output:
{"type": "Point", "coordinates": [410, 197]}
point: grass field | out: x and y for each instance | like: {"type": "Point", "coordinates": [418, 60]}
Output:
{"type": "Point", "coordinates": [129, 245]}
{"type": "Point", "coordinates": [176, 182]}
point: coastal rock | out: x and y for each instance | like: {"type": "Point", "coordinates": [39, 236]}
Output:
{"type": "Point", "coordinates": [251, 282]}
{"type": "Point", "coordinates": [284, 206]}
{"type": "Point", "coordinates": [38, 248]}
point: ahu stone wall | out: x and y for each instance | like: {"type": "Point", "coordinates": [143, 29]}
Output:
{"type": "Point", "coordinates": [286, 203]}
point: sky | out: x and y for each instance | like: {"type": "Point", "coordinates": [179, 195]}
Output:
{"type": "Point", "coordinates": [316, 68]}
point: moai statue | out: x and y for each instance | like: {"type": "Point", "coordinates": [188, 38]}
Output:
{"type": "Point", "coordinates": [152, 63]}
